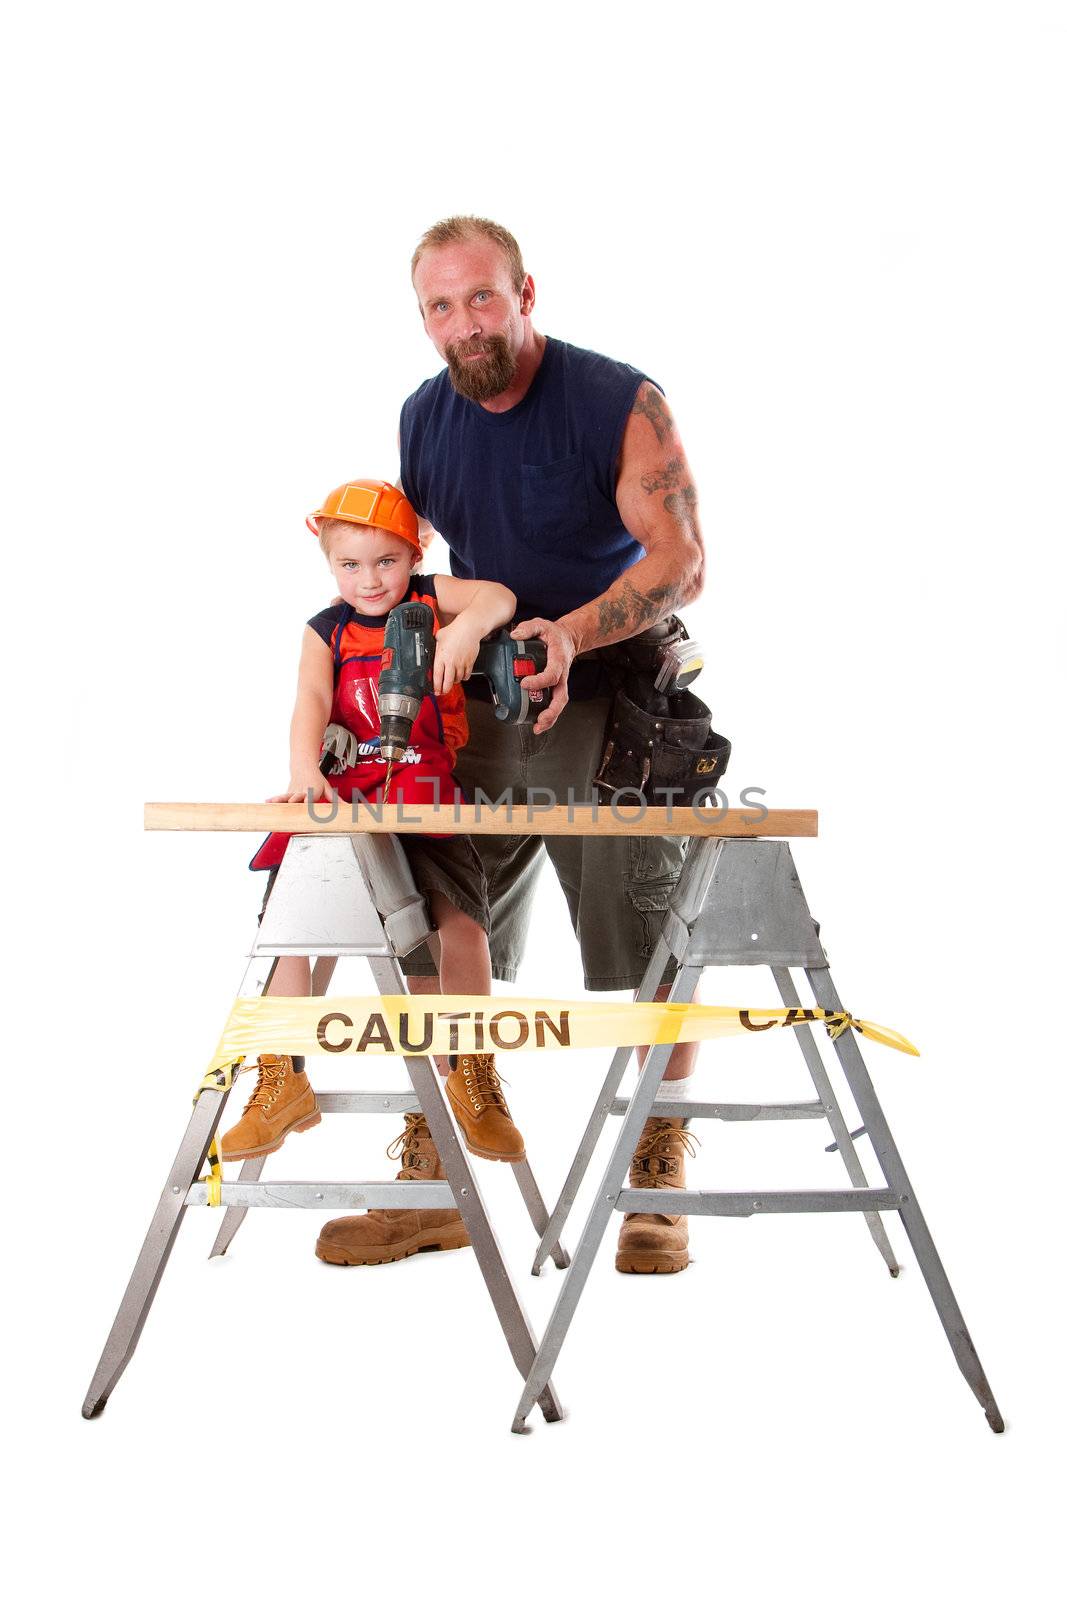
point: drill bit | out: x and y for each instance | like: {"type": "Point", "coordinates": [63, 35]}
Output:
{"type": "Point", "coordinates": [388, 775]}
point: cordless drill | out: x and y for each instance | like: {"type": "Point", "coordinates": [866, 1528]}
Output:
{"type": "Point", "coordinates": [405, 680]}
{"type": "Point", "coordinates": [507, 663]}
{"type": "Point", "coordinates": [406, 676]}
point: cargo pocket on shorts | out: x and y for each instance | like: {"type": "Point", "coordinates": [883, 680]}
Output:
{"type": "Point", "coordinates": [654, 866]}
{"type": "Point", "coordinates": [649, 901]}
{"type": "Point", "coordinates": [653, 860]}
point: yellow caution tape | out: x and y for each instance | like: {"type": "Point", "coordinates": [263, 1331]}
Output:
{"type": "Point", "coordinates": [214, 1176]}
{"type": "Point", "coordinates": [219, 1078]}
{"type": "Point", "coordinates": [384, 1025]}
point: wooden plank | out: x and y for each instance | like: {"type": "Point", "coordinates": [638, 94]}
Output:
{"type": "Point", "coordinates": [181, 816]}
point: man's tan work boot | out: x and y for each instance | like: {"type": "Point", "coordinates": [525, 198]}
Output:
{"type": "Point", "coordinates": [281, 1103]}
{"type": "Point", "coordinates": [648, 1241]}
{"type": "Point", "coordinates": [376, 1236]}
{"type": "Point", "coordinates": [475, 1095]}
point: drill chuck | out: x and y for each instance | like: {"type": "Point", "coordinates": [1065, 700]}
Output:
{"type": "Point", "coordinates": [398, 713]}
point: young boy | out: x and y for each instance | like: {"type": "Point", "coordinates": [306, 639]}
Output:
{"type": "Point", "coordinates": [369, 533]}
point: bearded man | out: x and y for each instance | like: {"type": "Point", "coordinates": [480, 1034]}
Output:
{"type": "Point", "coordinates": [559, 473]}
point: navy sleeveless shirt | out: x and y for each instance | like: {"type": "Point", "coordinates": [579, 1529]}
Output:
{"type": "Point", "coordinates": [526, 497]}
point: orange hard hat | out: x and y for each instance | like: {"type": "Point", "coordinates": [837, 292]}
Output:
{"type": "Point", "coordinates": [373, 503]}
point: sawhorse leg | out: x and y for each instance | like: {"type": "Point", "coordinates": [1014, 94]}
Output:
{"type": "Point", "coordinates": [162, 1232]}
{"type": "Point", "coordinates": [595, 1126]}
{"type": "Point", "coordinates": [155, 1252]}
{"type": "Point", "coordinates": [252, 1170]}
{"type": "Point", "coordinates": [424, 1080]}
{"type": "Point", "coordinates": [824, 1089]}
{"type": "Point", "coordinates": [683, 989]}
{"type": "Point", "coordinates": [884, 1146]}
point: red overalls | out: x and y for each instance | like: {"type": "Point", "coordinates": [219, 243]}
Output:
{"type": "Point", "coordinates": [440, 729]}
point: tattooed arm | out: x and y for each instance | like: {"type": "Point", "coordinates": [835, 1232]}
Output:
{"type": "Point", "coordinates": [658, 504]}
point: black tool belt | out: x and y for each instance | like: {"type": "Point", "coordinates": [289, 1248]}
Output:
{"type": "Point", "coordinates": [656, 742]}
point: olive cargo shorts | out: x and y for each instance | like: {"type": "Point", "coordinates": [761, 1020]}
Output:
{"type": "Point", "coordinates": [617, 888]}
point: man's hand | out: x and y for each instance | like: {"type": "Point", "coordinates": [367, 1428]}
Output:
{"type": "Point", "coordinates": [561, 652]}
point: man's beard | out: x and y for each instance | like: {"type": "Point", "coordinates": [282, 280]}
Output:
{"type": "Point", "coordinates": [485, 379]}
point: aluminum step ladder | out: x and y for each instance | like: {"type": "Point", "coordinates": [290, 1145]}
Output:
{"type": "Point", "coordinates": [335, 895]}
{"type": "Point", "coordinates": [739, 902]}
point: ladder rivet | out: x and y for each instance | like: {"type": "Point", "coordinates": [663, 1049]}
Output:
{"type": "Point", "coordinates": [176, 1189]}
{"type": "Point", "coordinates": [320, 1197]}
{"type": "Point", "coordinates": [464, 1191]}
{"type": "Point", "coordinates": [386, 1104]}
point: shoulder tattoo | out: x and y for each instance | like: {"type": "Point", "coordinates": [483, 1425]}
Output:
{"type": "Point", "coordinates": [649, 403]}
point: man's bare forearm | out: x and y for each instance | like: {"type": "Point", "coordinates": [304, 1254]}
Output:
{"type": "Point", "coordinates": [672, 571]}
{"type": "Point", "coordinates": [642, 596]}
{"type": "Point", "coordinates": [634, 602]}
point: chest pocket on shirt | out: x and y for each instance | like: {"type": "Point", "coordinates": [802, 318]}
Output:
{"type": "Point", "coordinates": [555, 501]}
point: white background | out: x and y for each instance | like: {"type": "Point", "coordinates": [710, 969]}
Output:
{"type": "Point", "coordinates": [834, 233]}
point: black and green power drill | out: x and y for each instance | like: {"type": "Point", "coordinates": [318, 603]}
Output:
{"type": "Point", "coordinates": [406, 676]}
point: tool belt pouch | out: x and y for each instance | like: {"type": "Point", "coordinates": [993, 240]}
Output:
{"type": "Point", "coordinates": [654, 753]}
{"type": "Point", "coordinates": [657, 742]}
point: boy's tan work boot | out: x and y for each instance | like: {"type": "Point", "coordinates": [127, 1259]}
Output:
{"type": "Point", "coordinates": [376, 1236]}
{"type": "Point", "coordinates": [475, 1095]}
{"type": "Point", "coordinates": [649, 1242]}
{"type": "Point", "coordinates": [281, 1103]}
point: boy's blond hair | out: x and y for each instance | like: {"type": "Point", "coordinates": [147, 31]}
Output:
{"type": "Point", "coordinates": [329, 526]}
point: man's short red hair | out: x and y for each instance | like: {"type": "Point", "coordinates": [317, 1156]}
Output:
{"type": "Point", "coordinates": [457, 230]}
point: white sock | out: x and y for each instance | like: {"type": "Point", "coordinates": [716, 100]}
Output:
{"type": "Point", "coordinates": [674, 1089]}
